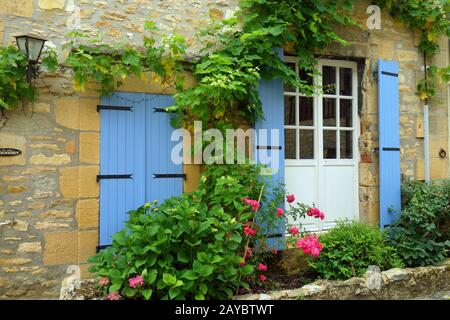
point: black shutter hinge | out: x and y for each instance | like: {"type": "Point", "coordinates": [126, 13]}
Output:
{"type": "Point", "coordinates": [117, 108]}
{"type": "Point", "coordinates": [169, 175]}
{"type": "Point", "coordinates": [113, 176]}
{"type": "Point", "coordinates": [269, 148]}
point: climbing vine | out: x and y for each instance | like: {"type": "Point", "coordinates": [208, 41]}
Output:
{"type": "Point", "coordinates": [14, 87]}
{"type": "Point", "coordinates": [13, 83]}
{"type": "Point", "coordinates": [238, 52]}
{"type": "Point", "coordinates": [432, 19]}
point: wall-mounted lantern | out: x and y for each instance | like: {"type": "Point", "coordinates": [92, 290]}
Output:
{"type": "Point", "coordinates": [32, 47]}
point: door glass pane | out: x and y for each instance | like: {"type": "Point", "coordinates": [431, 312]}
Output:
{"type": "Point", "coordinates": [289, 110]}
{"type": "Point", "coordinates": [346, 115]}
{"type": "Point", "coordinates": [329, 144]}
{"type": "Point", "coordinates": [290, 143]}
{"type": "Point", "coordinates": [345, 81]}
{"type": "Point", "coordinates": [329, 112]}
{"type": "Point", "coordinates": [306, 144]}
{"type": "Point", "coordinates": [288, 88]}
{"type": "Point", "coordinates": [346, 144]}
{"type": "Point", "coordinates": [306, 111]}
{"type": "Point", "coordinates": [329, 80]}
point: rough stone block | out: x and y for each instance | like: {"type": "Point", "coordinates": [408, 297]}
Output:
{"type": "Point", "coordinates": [87, 244]}
{"type": "Point", "coordinates": [78, 114]}
{"type": "Point", "coordinates": [51, 4]}
{"type": "Point", "coordinates": [88, 213]}
{"type": "Point", "coordinates": [79, 182]}
{"type": "Point", "coordinates": [60, 248]}
{"type": "Point", "coordinates": [20, 8]}
{"type": "Point", "coordinates": [90, 147]}
{"type": "Point", "coordinates": [54, 160]}
{"type": "Point", "coordinates": [29, 247]}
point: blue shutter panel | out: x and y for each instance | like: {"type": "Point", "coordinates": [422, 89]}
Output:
{"type": "Point", "coordinates": [272, 99]}
{"type": "Point", "coordinates": [135, 142]}
{"type": "Point", "coordinates": [121, 152]}
{"type": "Point", "coordinates": [389, 142]}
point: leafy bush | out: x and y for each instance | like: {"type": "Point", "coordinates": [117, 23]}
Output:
{"type": "Point", "coordinates": [182, 250]}
{"type": "Point", "coordinates": [349, 248]}
{"type": "Point", "coordinates": [421, 234]}
{"type": "Point", "coordinates": [202, 245]}
{"type": "Point", "coordinates": [191, 246]}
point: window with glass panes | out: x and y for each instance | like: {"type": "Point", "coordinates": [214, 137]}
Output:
{"type": "Point", "coordinates": [335, 123]}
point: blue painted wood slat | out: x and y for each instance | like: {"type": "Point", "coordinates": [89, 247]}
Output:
{"type": "Point", "coordinates": [272, 99]}
{"type": "Point", "coordinates": [134, 142]}
{"type": "Point", "coordinates": [389, 142]}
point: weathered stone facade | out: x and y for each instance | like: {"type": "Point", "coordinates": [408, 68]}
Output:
{"type": "Point", "coordinates": [392, 284]}
{"type": "Point", "coordinates": [50, 190]}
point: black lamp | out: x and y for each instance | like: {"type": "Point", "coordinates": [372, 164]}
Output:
{"type": "Point", "coordinates": [32, 47]}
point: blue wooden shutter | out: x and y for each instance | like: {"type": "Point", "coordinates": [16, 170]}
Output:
{"type": "Point", "coordinates": [134, 146]}
{"type": "Point", "coordinates": [164, 178]}
{"type": "Point", "coordinates": [389, 142]}
{"type": "Point", "coordinates": [122, 152]}
{"type": "Point", "coordinates": [272, 99]}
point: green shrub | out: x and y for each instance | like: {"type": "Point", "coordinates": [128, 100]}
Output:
{"type": "Point", "coordinates": [421, 234]}
{"type": "Point", "coordinates": [191, 246]}
{"type": "Point", "coordinates": [349, 248]}
{"type": "Point", "coordinates": [182, 249]}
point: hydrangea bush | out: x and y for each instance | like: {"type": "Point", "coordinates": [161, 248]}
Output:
{"type": "Point", "coordinates": [203, 245]}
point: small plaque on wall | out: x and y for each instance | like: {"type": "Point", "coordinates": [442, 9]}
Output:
{"type": "Point", "coordinates": [9, 152]}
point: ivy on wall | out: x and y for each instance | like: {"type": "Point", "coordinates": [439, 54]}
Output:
{"type": "Point", "coordinates": [432, 19]}
{"type": "Point", "coordinates": [237, 53]}
{"type": "Point", "coordinates": [13, 74]}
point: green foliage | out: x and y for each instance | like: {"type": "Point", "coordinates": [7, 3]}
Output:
{"type": "Point", "coordinates": [432, 19]}
{"type": "Point", "coordinates": [242, 52]}
{"type": "Point", "coordinates": [422, 232]}
{"type": "Point", "coordinates": [182, 249]}
{"type": "Point", "coordinates": [429, 16]}
{"type": "Point", "coordinates": [349, 248]}
{"type": "Point", "coordinates": [109, 65]}
{"type": "Point", "coordinates": [191, 246]}
{"type": "Point", "coordinates": [13, 78]}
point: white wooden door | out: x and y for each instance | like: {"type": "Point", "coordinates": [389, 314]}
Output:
{"type": "Point", "coordinates": [321, 149]}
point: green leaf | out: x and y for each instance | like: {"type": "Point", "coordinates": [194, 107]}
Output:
{"type": "Point", "coordinates": [147, 293]}
{"type": "Point", "coordinates": [182, 256]}
{"type": "Point", "coordinates": [174, 292]}
{"type": "Point", "coordinates": [114, 287]}
{"type": "Point", "coordinates": [189, 275]}
{"type": "Point", "coordinates": [169, 279]}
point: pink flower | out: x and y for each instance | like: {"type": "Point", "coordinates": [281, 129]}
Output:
{"type": "Point", "coordinates": [280, 212]}
{"type": "Point", "coordinates": [137, 281]}
{"type": "Point", "coordinates": [253, 203]}
{"type": "Point", "coordinates": [310, 245]}
{"type": "Point", "coordinates": [291, 198]}
{"type": "Point", "coordinates": [293, 231]}
{"type": "Point", "coordinates": [262, 277]}
{"type": "Point", "coordinates": [316, 213]}
{"type": "Point", "coordinates": [248, 230]}
{"type": "Point", "coordinates": [113, 296]}
{"type": "Point", "coordinates": [103, 281]}
{"type": "Point", "coordinates": [248, 253]}
{"type": "Point", "coordinates": [262, 267]}
{"type": "Point", "coordinates": [274, 251]}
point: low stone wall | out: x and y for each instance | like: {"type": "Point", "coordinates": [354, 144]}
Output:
{"type": "Point", "coordinates": [392, 284]}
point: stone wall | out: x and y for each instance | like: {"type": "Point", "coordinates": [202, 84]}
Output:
{"type": "Point", "coordinates": [50, 190]}
{"type": "Point", "coordinates": [393, 284]}
{"type": "Point", "coordinates": [394, 42]}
